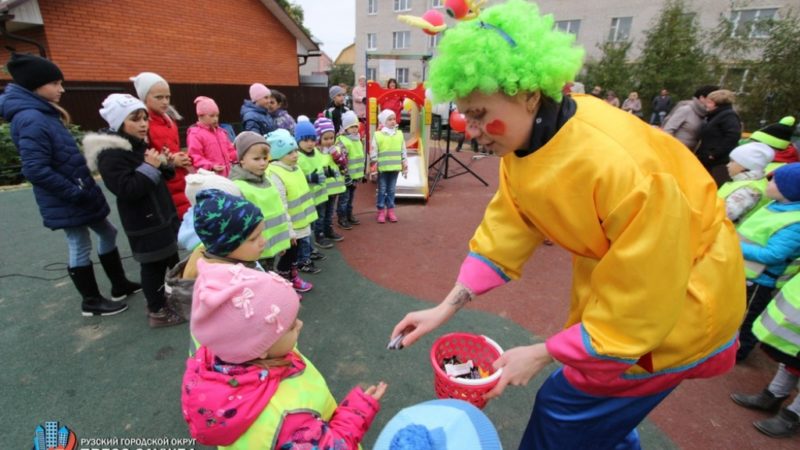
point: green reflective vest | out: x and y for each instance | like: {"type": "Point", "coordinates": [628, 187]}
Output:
{"type": "Point", "coordinates": [304, 392]}
{"type": "Point", "coordinates": [757, 229]}
{"type": "Point", "coordinates": [298, 196]}
{"type": "Point", "coordinates": [276, 228]}
{"type": "Point", "coordinates": [335, 184]}
{"type": "Point", "coordinates": [355, 157]}
{"type": "Point", "coordinates": [779, 324]}
{"type": "Point", "coordinates": [308, 164]}
{"type": "Point", "coordinates": [760, 185]}
{"type": "Point", "coordinates": [390, 151]}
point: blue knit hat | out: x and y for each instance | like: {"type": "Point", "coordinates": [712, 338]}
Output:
{"type": "Point", "coordinates": [223, 221]}
{"type": "Point", "coordinates": [304, 130]}
{"type": "Point", "coordinates": [439, 425]}
{"type": "Point", "coordinates": [281, 143]}
{"type": "Point", "coordinates": [787, 179]}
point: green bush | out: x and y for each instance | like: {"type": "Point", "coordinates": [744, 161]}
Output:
{"type": "Point", "coordinates": [10, 164]}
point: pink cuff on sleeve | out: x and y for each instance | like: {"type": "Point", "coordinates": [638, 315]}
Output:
{"type": "Point", "coordinates": [480, 275]}
{"type": "Point", "coordinates": [573, 347]}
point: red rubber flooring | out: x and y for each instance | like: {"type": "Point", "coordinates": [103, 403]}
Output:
{"type": "Point", "coordinates": [426, 247]}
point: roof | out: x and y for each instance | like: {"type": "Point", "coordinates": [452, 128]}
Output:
{"type": "Point", "coordinates": [286, 20]}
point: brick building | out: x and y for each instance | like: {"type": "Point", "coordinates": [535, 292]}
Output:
{"type": "Point", "coordinates": [201, 47]}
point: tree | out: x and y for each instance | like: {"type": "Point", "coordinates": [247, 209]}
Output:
{"type": "Point", "coordinates": [672, 56]}
{"type": "Point", "coordinates": [295, 12]}
{"type": "Point", "coordinates": [342, 73]}
{"type": "Point", "coordinates": [612, 71]}
{"type": "Point", "coordinates": [763, 69]}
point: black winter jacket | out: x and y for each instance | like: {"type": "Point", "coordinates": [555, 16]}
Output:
{"type": "Point", "coordinates": [145, 205]}
{"type": "Point", "coordinates": [719, 135]}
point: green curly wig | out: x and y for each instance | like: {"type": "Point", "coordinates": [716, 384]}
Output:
{"type": "Point", "coordinates": [515, 50]}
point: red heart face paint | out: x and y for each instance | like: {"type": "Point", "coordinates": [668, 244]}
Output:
{"type": "Point", "coordinates": [496, 127]}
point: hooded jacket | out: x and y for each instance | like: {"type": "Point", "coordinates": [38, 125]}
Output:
{"type": "Point", "coordinates": [64, 189]}
{"type": "Point", "coordinates": [256, 119]}
{"type": "Point", "coordinates": [145, 206]}
{"type": "Point", "coordinates": [210, 147]}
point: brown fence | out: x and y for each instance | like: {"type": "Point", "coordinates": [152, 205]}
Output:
{"type": "Point", "coordinates": [83, 100]}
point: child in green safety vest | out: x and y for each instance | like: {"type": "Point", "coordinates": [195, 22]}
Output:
{"type": "Point", "coordinates": [744, 194]}
{"type": "Point", "coordinates": [335, 172]}
{"type": "Point", "coordinates": [248, 386]}
{"type": "Point", "coordinates": [770, 241]}
{"type": "Point", "coordinates": [349, 144]}
{"type": "Point", "coordinates": [296, 196]}
{"type": "Point", "coordinates": [312, 163]}
{"type": "Point", "coordinates": [778, 329]}
{"type": "Point", "coordinates": [389, 150]}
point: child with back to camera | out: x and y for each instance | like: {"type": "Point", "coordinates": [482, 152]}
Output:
{"type": "Point", "coordinates": [248, 387]}
{"type": "Point", "coordinates": [208, 143]}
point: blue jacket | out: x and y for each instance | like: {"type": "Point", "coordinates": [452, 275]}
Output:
{"type": "Point", "coordinates": [65, 191]}
{"type": "Point", "coordinates": [256, 119]}
{"type": "Point", "coordinates": [782, 247]}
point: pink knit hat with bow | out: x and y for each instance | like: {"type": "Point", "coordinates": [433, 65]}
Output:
{"type": "Point", "coordinates": [205, 105]}
{"type": "Point", "coordinates": [239, 313]}
{"type": "Point", "coordinates": [258, 91]}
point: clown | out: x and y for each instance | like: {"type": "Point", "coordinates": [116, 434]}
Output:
{"type": "Point", "coordinates": [658, 287]}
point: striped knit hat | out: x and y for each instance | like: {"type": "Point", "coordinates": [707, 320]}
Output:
{"type": "Point", "coordinates": [776, 135]}
{"type": "Point", "coordinates": [323, 125]}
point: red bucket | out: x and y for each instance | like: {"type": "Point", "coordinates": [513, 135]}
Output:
{"type": "Point", "coordinates": [481, 350]}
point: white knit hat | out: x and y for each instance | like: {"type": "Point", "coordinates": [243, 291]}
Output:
{"type": "Point", "coordinates": [206, 179]}
{"type": "Point", "coordinates": [753, 155]}
{"type": "Point", "coordinates": [349, 119]}
{"type": "Point", "coordinates": [385, 114]}
{"type": "Point", "coordinates": [116, 107]}
{"type": "Point", "coordinates": [144, 82]}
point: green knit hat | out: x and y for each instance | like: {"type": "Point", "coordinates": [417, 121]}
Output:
{"type": "Point", "coordinates": [776, 135]}
{"type": "Point", "coordinates": [508, 48]}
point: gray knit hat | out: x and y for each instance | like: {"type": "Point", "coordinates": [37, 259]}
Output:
{"type": "Point", "coordinates": [335, 90]}
{"type": "Point", "coordinates": [245, 140]}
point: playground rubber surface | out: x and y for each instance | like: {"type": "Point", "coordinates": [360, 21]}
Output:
{"type": "Point", "coordinates": [114, 378]}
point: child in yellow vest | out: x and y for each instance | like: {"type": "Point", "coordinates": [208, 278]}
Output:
{"type": "Point", "coordinates": [297, 198]}
{"type": "Point", "coordinates": [389, 150]}
{"type": "Point", "coordinates": [248, 387]}
{"type": "Point", "coordinates": [335, 172]}
{"type": "Point", "coordinates": [349, 144]}
{"type": "Point", "coordinates": [770, 241]}
{"type": "Point", "coordinates": [312, 163]}
{"type": "Point", "coordinates": [744, 194]}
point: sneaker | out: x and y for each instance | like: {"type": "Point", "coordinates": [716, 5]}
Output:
{"type": "Point", "coordinates": [164, 317]}
{"type": "Point", "coordinates": [322, 242]}
{"type": "Point", "coordinates": [318, 256]}
{"type": "Point", "coordinates": [332, 236]}
{"type": "Point", "coordinates": [344, 224]}
{"type": "Point", "coordinates": [309, 267]}
{"type": "Point", "coordinates": [301, 285]}
{"type": "Point", "coordinates": [353, 221]}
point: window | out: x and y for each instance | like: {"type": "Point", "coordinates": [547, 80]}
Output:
{"type": "Point", "coordinates": [737, 78]}
{"type": "Point", "coordinates": [746, 22]}
{"type": "Point", "coordinates": [620, 29]}
{"type": "Point", "coordinates": [437, 3]}
{"type": "Point", "coordinates": [372, 41]}
{"type": "Point", "coordinates": [372, 74]}
{"type": "Point", "coordinates": [402, 5]}
{"type": "Point", "coordinates": [434, 40]}
{"type": "Point", "coordinates": [372, 7]}
{"type": "Point", "coordinates": [570, 26]}
{"type": "Point", "coordinates": [400, 39]}
{"type": "Point", "coordinates": [401, 75]}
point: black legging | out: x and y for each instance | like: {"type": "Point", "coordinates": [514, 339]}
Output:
{"type": "Point", "coordinates": [286, 261]}
{"type": "Point", "coordinates": [758, 297]}
{"type": "Point", "coordinates": [153, 281]}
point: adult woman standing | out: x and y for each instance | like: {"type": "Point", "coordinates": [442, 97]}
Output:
{"type": "Point", "coordinates": [67, 195]}
{"type": "Point", "coordinates": [633, 104]}
{"type": "Point", "coordinates": [392, 103]}
{"type": "Point", "coordinates": [360, 98]}
{"type": "Point", "coordinates": [720, 134]}
{"type": "Point", "coordinates": [606, 187]}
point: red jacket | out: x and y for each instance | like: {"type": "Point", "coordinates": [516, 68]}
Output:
{"type": "Point", "coordinates": [164, 133]}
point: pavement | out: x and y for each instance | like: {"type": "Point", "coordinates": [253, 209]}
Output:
{"type": "Point", "coordinates": [114, 378]}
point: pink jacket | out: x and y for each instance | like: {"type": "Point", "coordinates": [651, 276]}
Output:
{"type": "Point", "coordinates": [221, 401]}
{"type": "Point", "coordinates": [210, 147]}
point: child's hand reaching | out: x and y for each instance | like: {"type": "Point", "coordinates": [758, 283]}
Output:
{"type": "Point", "coordinates": [376, 392]}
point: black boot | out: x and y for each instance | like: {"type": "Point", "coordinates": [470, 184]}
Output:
{"type": "Point", "coordinates": [333, 236]}
{"type": "Point", "coordinates": [352, 219]}
{"type": "Point", "coordinates": [785, 424]}
{"type": "Point", "coordinates": [343, 223]}
{"type": "Point", "coordinates": [121, 287]}
{"type": "Point", "coordinates": [93, 304]}
{"type": "Point", "coordinates": [763, 401]}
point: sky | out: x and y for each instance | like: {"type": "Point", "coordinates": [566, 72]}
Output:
{"type": "Point", "coordinates": [331, 21]}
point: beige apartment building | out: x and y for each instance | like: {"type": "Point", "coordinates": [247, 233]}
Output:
{"type": "Point", "coordinates": [378, 32]}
